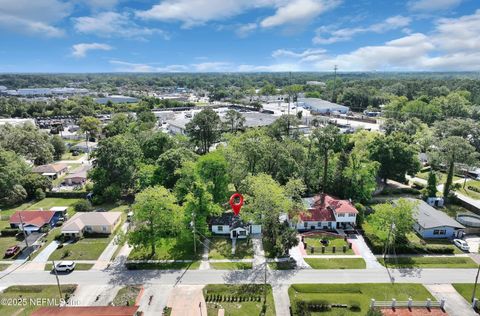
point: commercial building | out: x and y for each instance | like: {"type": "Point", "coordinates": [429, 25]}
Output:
{"type": "Point", "coordinates": [319, 106]}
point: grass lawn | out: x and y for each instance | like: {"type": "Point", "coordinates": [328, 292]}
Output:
{"type": "Point", "coordinates": [466, 290]}
{"type": "Point", "coordinates": [433, 243]}
{"type": "Point", "coordinates": [127, 295]}
{"type": "Point", "coordinates": [231, 265]}
{"type": "Point", "coordinates": [282, 265]}
{"type": "Point", "coordinates": [430, 262]}
{"type": "Point", "coordinates": [336, 242]}
{"type": "Point", "coordinates": [3, 266]}
{"type": "Point", "coordinates": [83, 249]}
{"type": "Point", "coordinates": [68, 156]}
{"type": "Point", "coordinates": [250, 293]}
{"type": "Point", "coordinates": [452, 210]}
{"type": "Point", "coordinates": [175, 248]}
{"type": "Point", "coordinates": [471, 193]}
{"type": "Point", "coordinates": [441, 176]}
{"type": "Point", "coordinates": [31, 292]}
{"type": "Point", "coordinates": [5, 243]}
{"type": "Point", "coordinates": [221, 248]}
{"type": "Point", "coordinates": [164, 266]}
{"type": "Point", "coordinates": [354, 294]}
{"type": "Point", "coordinates": [340, 263]}
{"type": "Point", "coordinates": [78, 266]}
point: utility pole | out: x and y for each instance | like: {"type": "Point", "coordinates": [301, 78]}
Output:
{"type": "Point", "coordinates": [58, 281]}
{"type": "Point", "coordinates": [334, 83]}
{"type": "Point", "coordinates": [24, 232]}
{"type": "Point", "coordinates": [392, 227]}
{"type": "Point", "coordinates": [475, 286]}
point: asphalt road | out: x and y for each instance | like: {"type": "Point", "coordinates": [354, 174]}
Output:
{"type": "Point", "coordinates": [116, 277]}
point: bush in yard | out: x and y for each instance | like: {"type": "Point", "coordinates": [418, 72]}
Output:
{"type": "Point", "coordinates": [9, 232]}
{"type": "Point", "coordinates": [39, 194]}
{"type": "Point", "coordinates": [83, 206]}
{"type": "Point", "coordinates": [355, 307]}
{"type": "Point", "coordinates": [66, 253]}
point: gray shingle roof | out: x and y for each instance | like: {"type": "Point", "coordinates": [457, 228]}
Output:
{"type": "Point", "coordinates": [429, 217]}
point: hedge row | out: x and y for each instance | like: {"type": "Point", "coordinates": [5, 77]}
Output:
{"type": "Point", "coordinates": [378, 247]}
{"type": "Point", "coordinates": [389, 191]}
{"type": "Point", "coordinates": [9, 232]}
{"type": "Point", "coordinates": [67, 195]}
{"type": "Point", "coordinates": [231, 298]}
{"type": "Point", "coordinates": [474, 189]}
{"type": "Point", "coordinates": [305, 307]}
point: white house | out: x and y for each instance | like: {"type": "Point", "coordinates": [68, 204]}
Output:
{"type": "Point", "coordinates": [229, 224]}
{"type": "Point", "coordinates": [325, 212]}
{"type": "Point", "coordinates": [91, 222]}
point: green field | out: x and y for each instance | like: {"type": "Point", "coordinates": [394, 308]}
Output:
{"type": "Point", "coordinates": [430, 262]}
{"type": "Point", "coordinates": [231, 265]}
{"type": "Point", "coordinates": [441, 176]}
{"type": "Point", "coordinates": [433, 243]}
{"type": "Point", "coordinates": [31, 293]}
{"type": "Point", "coordinates": [177, 248]}
{"type": "Point", "coordinates": [340, 263]}
{"type": "Point", "coordinates": [83, 249]}
{"type": "Point", "coordinates": [336, 242]}
{"type": "Point", "coordinates": [239, 308]}
{"type": "Point", "coordinates": [221, 248]}
{"type": "Point", "coordinates": [358, 295]}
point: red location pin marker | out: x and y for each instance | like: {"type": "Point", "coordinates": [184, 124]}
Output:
{"type": "Point", "coordinates": [236, 206]}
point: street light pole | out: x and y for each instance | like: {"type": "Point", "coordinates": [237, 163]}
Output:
{"type": "Point", "coordinates": [58, 281]}
{"type": "Point", "coordinates": [475, 285]}
{"type": "Point", "coordinates": [24, 232]}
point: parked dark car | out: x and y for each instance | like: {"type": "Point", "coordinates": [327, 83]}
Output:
{"type": "Point", "coordinates": [12, 251]}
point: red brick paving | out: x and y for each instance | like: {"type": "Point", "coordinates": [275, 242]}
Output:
{"type": "Point", "coordinates": [420, 311]}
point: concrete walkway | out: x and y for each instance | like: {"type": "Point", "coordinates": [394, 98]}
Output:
{"type": "Point", "coordinates": [296, 254]}
{"type": "Point", "coordinates": [360, 247]}
{"type": "Point", "coordinates": [455, 303]}
{"type": "Point", "coordinates": [46, 252]}
{"type": "Point", "coordinates": [205, 265]}
{"type": "Point", "coordinates": [281, 299]}
{"type": "Point", "coordinates": [187, 300]}
{"type": "Point", "coordinates": [104, 260]}
{"type": "Point", "coordinates": [258, 252]}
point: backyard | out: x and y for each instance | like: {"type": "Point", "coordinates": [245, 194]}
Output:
{"type": "Point", "coordinates": [357, 297]}
{"type": "Point", "coordinates": [333, 263]}
{"type": "Point", "coordinates": [472, 189]}
{"type": "Point", "coordinates": [32, 292]}
{"type": "Point", "coordinates": [331, 242]}
{"type": "Point", "coordinates": [238, 300]}
{"type": "Point", "coordinates": [221, 248]}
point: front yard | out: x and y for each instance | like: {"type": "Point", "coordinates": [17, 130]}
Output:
{"type": "Point", "coordinates": [221, 248]}
{"type": "Point", "coordinates": [231, 265]}
{"type": "Point", "coordinates": [238, 300]}
{"type": "Point", "coordinates": [330, 243]}
{"type": "Point", "coordinates": [127, 295]}
{"type": "Point", "coordinates": [356, 297]}
{"type": "Point", "coordinates": [174, 248]}
{"type": "Point", "coordinates": [5, 243]}
{"type": "Point", "coordinates": [334, 263]}
{"type": "Point", "coordinates": [31, 293]}
{"type": "Point", "coordinates": [83, 249]}
{"type": "Point", "coordinates": [466, 290]}
{"type": "Point", "coordinates": [429, 262]}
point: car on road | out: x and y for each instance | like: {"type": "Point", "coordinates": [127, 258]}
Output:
{"type": "Point", "coordinates": [12, 251]}
{"type": "Point", "coordinates": [65, 266]}
{"type": "Point", "coordinates": [462, 244]}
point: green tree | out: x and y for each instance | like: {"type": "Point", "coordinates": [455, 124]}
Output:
{"type": "Point", "coordinates": [395, 155]}
{"type": "Point", "coordinates": [119, 124]}
{"type": "Point", "coordinates": [117, 163]}
{"type": "Point", "coordinates": [199, 206]}
{"type": "Point", "coordinates": [59, 147]}
{"type": "Point", "coordinates": [204, 129]}
{"type": "Point", "coordinates": [451, 151]}
{"type": "Point", "coordinates": [400, 214]}
{"type": "Point", "coordinates": [234, 120]}
{"type": "Point", "coordinates": [34, 181]}
{"type": "Point", "coordinates": [169, 162]}
{"type": "Point", "coordinates": [13, 170]}
{"type": "Point", "coordinates": [327, 139]}
{"type": "Point", "coordinates": [154, 144]}
{"type": "Point", "coordinates": [282, 126]}
{"type": "Point", "coordinates": [213, 171]}
{"type": "Point", "coordinates": [156, 215]}
{"type": "Point", "coordinates": [90, 125]}
{"type": "Point", "coordinates": [431, 189]}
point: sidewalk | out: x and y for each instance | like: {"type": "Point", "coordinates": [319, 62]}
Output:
{"type": "Point", "coordinates": [258, 252]}
{"type": "Point", "coordinates": [360, 247]}
{"type": "Point", "coordinates": [281, 299]}
{"type": "Point", "coordinates": [187, 300]}
{"type": "Point", "coordinates": [455, 304]}
{"type": "Point", "coordinates": [297, 254]}
{"type": "Point", "coordinates": [104, 260]}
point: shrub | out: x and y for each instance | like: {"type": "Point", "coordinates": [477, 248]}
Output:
{"type": "Point", "coordinates": [83, 206]}
{"type": "Point", "coordinates": [355, 307]}
{"type": "Point", "coordinates": [66, 253]}
{"type": "Point", "coordinates": [9, 232]}
{"type": "Point", "coordinates": [39, 194]}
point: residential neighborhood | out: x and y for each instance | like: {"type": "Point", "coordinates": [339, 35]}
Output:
{"type": "Point", "coordinates": [231, 158]}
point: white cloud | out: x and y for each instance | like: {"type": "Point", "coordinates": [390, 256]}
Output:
{"type": "Point", "coordinates": [109, 24]}
{"type": "Point", "coordinates": [196, 67]}
{"type": "Point", "coordinates": [196, 12]}
{"type": "Point", "coordinates": [80, 50]}
{"type": "Point", "coordinates": [298, 12]}
{"type": "Point", "coordinates": [432, 5]}
{"type": "Point", "coordinates": [246, 29]}
{"type": "Point", "coordinates": [308, 55]}
{"type": "Point", "coordinates": [33, 17]}
{"type": "Point", "coordinates": [101, 4]}
{"type": "Point", "coordinates": [345, 34]}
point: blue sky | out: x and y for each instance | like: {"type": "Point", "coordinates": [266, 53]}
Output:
{"type": "Point", "coordinates": [238, 35]}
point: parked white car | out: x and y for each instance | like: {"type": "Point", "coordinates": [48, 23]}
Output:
{"type": "Point", "coordinates": [462, 244]}
{"type": "Point", "coordinates": [65, 266]}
